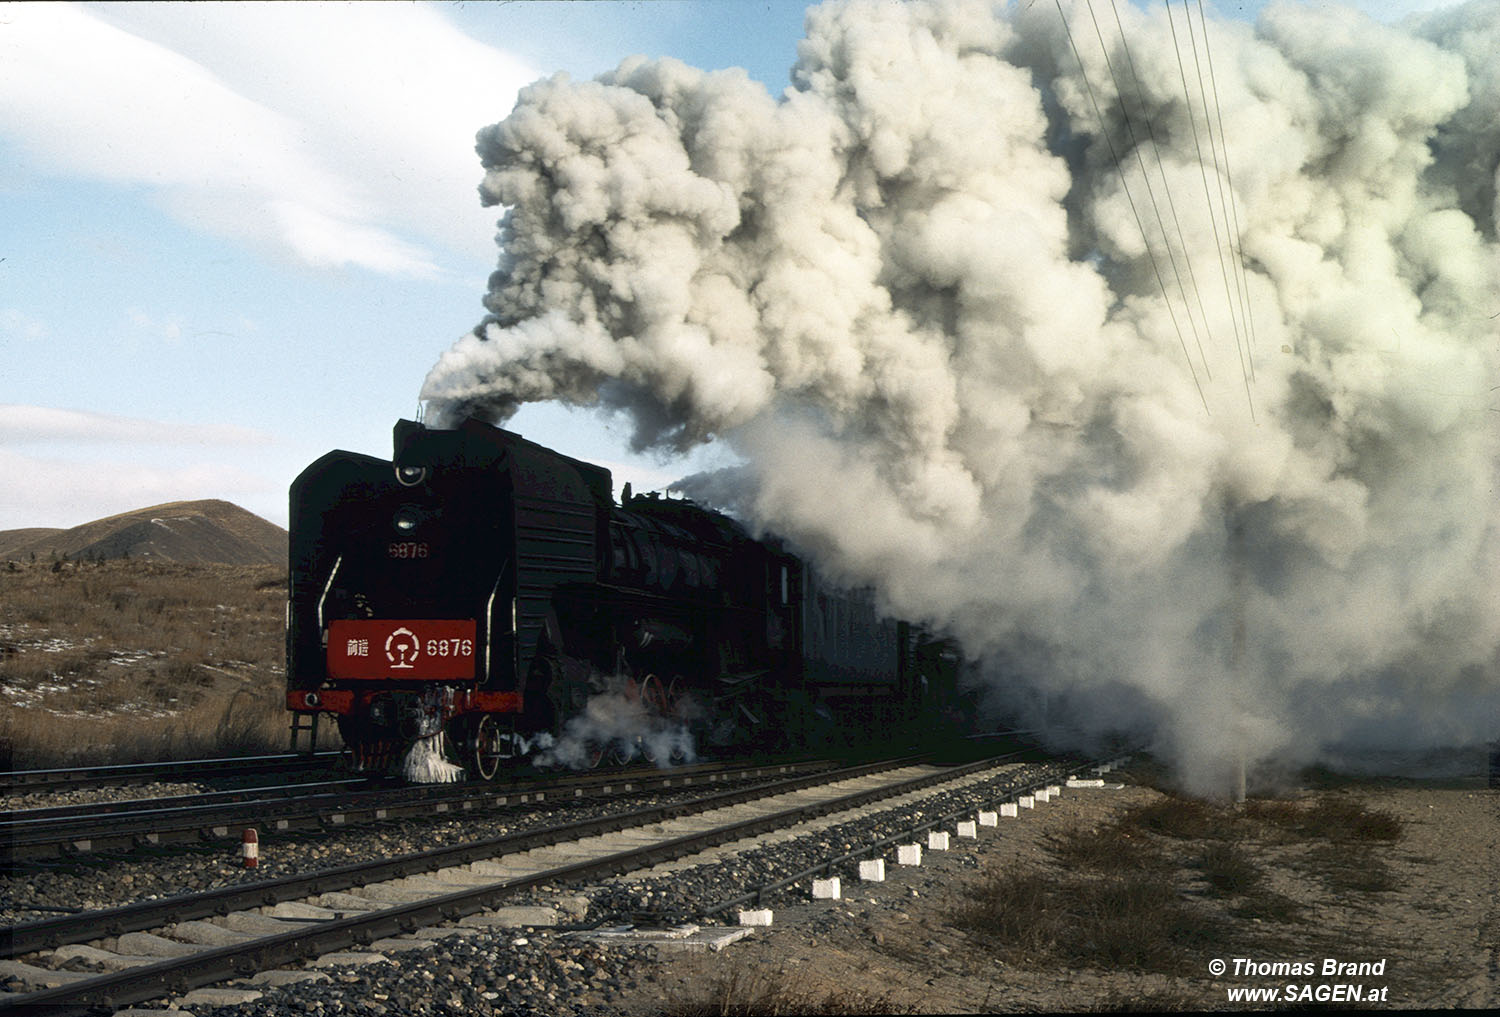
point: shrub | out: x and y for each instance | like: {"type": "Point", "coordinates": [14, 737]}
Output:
{"type": "Point", "coordinates": [1121, 920]}
{"type": "Point", "coordinates": [1185, 818]}
{"type": "Point", "coordinates": [1157, 1001]}
{"type": "Point", "coordinates": [1113, 848]}
{"type": "Point", "coordinates": [1228, 869]}
{"type": "Point", "coordinates": [1338, 818]}
{"type": "Point", "coordinates": [1331, 817]}
{"type": "Point", "coordinates": [738, 992]}
{"type": "Point", "coordinates": [140, 661]}
{"type": "Point", "coordinates": [1349, 868]}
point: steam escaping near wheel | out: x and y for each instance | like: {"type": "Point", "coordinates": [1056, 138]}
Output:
{"type": "Point", "coordinates": [1160, 370]}
{"type": "Point", "coordinates": [615, 727]}
{"type": "Point", "coordinates": [425, 762]}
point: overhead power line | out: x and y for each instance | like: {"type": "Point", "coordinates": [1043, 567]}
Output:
{"type": "Point", "coordinates": [1234, 312]}
{"type": "Point", "coordinates": [1140, 93]}
{"type": "Point", "coordinates": [1135, 211]}
{"type": "Point", "coordinates": [1234, 205]}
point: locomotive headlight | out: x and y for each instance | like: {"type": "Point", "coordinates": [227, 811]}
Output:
{"type": "Point", "coordinates": [410, 476]}
{"type": "Point", "coordinates": [407, 519]}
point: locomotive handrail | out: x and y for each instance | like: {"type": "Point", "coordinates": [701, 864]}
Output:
{"type": "Point", "coordinates": [489, 620]}
{"type": "Point", "coordinates": [326, 588]}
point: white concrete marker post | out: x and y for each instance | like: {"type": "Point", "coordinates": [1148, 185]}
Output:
{"type": "Point", "coordinates": [968, 829]}
{"type": "Point", "coordinates": [909, 854]}
{"type": "Point", "coordinates": [937, 841]}
{"type": "Point", "coordinates": [1009, 810]}
{"type": "Point", "coordinates": [826, 889]}
{"type": "Point", "coordinates": [872, 870]}
{"type": "Point", "coordinates": [1026, 801]}
{"type": "Point", "coordinates": [759, 916]}
{"type": "Point", "coordinates": [989, 819]}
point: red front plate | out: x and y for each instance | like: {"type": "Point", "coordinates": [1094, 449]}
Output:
{"type": "Point", "coordinates": [400, 648]}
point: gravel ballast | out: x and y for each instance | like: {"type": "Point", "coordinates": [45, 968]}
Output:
{"type": "Point", "coordinates": [529, 970]}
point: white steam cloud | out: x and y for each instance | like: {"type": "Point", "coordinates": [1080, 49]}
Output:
{"type": "Point", "coordinates": [618, 727]}
{"type": "Point", "coordinates": [1211, 458]}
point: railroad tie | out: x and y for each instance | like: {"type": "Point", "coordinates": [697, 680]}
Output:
{"type": "Point", "coordinates": [42, 978]}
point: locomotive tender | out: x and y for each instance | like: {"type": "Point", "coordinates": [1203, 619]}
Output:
{"type": "Point", "coordinates": [457, 604]}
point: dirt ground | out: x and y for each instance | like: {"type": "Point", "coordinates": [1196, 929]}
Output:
{"type": "Point", "coordinates": [1435, 925]}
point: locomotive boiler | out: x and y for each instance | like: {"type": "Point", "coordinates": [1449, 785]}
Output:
{"type": "Point", "coordinates": [455, 607]}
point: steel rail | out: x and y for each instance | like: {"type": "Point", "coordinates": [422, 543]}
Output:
{"type": "Point", "coordinates": [113, 830]}
{"type": "Point", "coordinates": [825, 868]}
{"type": "Point", "coordinates": [20, 818]}
{"type": "Point", "coordinates": [51, 932]}
{"type": "Point", "coordinates": [15, 782]}
{"type": "Point", "coordinates": [218, 964]}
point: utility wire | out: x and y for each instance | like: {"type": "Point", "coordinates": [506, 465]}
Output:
{"type": "Point", "coordinates": [1155, 266]}
{"type": "Point", "coordinates": [1161, 170]}
{"type": "Point", "coordinates": [1203, 171]}
{"type": "Point", "coordinates": [1135, 147]}
{"type": "Point", "coordinates": [1218, 169]}
{"type": "Point", "coordinates": [1234, 205]}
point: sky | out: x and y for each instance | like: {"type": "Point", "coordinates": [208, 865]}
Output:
{"type": "Point", "coordinates": [238, 236]}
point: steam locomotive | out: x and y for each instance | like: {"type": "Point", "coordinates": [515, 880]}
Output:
{"type": "Point", "coordinates": [465, 603]}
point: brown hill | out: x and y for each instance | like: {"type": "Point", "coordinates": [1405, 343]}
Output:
{"type": "Point", "coordinates": [181, 531]}
{"type": "Point", "coordinates": [12, 539]}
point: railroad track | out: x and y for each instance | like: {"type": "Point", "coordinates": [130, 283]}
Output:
{"type": "Point", "coordinates": [387, 903]}
{"type": "Point", "coordinates": [20, 782]}
{"type": "Point", "coordinates": [29, 835]}
{"type": "Point", "coordinates": [125, 824]}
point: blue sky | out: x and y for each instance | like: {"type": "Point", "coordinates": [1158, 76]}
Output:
{"type": "Point", "coordinates": [236, 237]}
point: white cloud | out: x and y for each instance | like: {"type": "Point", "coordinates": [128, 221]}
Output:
{"type": "Point", "coordinates": [1392, 11]}
{"type": "Point", "coordinates": [37, 425]}
{"type": "Point", "coordinates": [338, 134]}
{"type": "Point", "coordinates": [61, 493]}
{"type": "Point", "coordinates": [16, 324]}
{"type": "Point", "coordinates": [169, 329]}
{"type": "Point", "coordinates": [64, 467]}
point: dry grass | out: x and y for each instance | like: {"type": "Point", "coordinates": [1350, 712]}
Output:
{"type": "Point", "coordinates": [1343, 836]}
{"type": "Point", "coordinates": [1133, 920]}
{"type": "Point", "coordinates": [745, 992]}
{"type": "Point", "coordinates": [130, 661]}
{"type": "Point", "coordinates": [1228, 869]}
{"type": "Point", "coordinates": [1114, 848]}
{"type": "Point", "coordinates": [1183, 818]}
{"type": "Point", "coordinates": [1164, 1001]}
{"type": "Point", "coordinates": [1349, 870]}
{"type": "Point", "coordinates": [1168, 883]}
{"type": "Point", "coordinates": [1331, 817]}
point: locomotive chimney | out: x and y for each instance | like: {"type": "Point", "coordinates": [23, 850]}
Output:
{"type": "Point", "coordinates": [407, 439]}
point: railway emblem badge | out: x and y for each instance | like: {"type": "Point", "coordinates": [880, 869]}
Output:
{"type": "Point", "coordinates": [401, 648]}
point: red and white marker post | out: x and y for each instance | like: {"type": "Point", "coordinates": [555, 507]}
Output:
{"type": "Point", "coordinates": [250, 848]}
